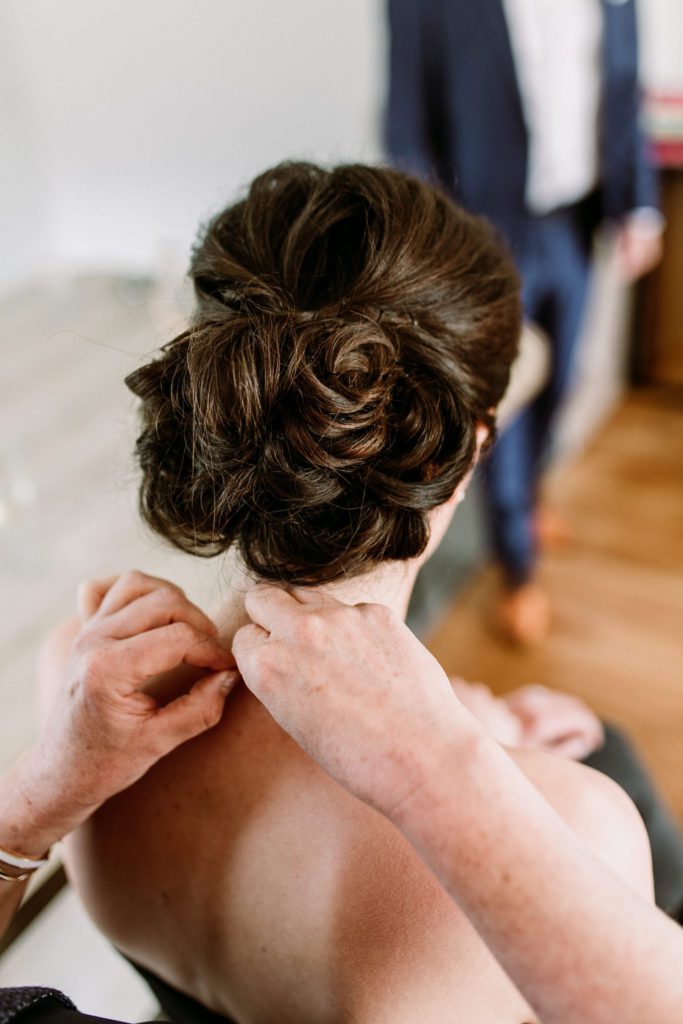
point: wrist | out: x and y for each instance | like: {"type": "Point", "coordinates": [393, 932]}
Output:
{"type": "Point", "coordinates": [437, 771]}
{"type": "Point", "coordinates": [35, 812]}
{"type": "Point", "coordinates": [448, 816]}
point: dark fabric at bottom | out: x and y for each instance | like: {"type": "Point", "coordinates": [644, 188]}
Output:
{"type": "Point", "coordinates": [54, 1010]}
{"type": "Point", "coordinates": [17, 1000]}
{"type": "Point", "coordinates": [178, 1007]}
{"type": "Point", "coordinates": [618, 759]}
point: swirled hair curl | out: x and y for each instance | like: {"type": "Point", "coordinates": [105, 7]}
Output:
{"type": "Point", "coordinates": [353, 326]}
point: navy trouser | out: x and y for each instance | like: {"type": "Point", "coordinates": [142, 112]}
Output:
{"type": "Point", "coordinates": [554, 264]}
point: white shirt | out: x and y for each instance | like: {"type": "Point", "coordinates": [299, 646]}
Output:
{"type": "Point", "coordinates": [556, 45]}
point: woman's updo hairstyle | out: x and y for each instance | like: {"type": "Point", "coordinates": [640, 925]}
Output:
{"type": "Point", "coordinates": [352, 328]}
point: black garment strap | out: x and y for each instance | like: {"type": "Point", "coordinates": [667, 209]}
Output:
{"type": "Point", "coordinates": [47, 1006]}
{"type": "Point", "coordinates": [14, 1001]}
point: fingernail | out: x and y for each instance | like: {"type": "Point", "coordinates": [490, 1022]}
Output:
{"type": "Point", "coordinates": [227, 680]}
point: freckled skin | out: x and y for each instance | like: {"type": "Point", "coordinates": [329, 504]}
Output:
{"type": "Point", "coordinates": [295, 898]}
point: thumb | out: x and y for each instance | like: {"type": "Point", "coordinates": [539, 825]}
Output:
{"type": "Point", "coordinates": [574, 747]}
{"type": "Point", "coordinates": [194, 712]}
{"type": "Point", "coordinates": [245, 644]}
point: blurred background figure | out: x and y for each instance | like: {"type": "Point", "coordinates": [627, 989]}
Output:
{"type": "Point", "coordinates": [528, 111]}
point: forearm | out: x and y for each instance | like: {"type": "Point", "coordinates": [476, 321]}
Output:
{"type": "Point", "coordinates": [105, 732]}
{"type": "Point", "coordinates": [33, 816]}
{"type": "Point", "coordinates": [579, 945]}
{"type": "Point", "coordinates": [574, 939]}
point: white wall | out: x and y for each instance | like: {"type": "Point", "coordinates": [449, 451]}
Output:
{"type": "Point", "coordinates": [661, 38]}
{"type": "Point", "coordinates": [147, 114]}
{"type": "Point", "coordinates": [23, 190]}
{"type": "Point", "coordinates": [123, 122]}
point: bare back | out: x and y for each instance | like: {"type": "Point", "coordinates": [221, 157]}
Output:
{"type": "Point", "coordinates": [241, 874]}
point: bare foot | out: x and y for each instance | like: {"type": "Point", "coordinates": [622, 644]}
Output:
{"type": "Point", "coordinates": [524, 615]}
{"type": "Point", "coordinates": [553, 531]}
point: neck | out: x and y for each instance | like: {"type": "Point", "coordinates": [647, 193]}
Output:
{"type": "Point", "coordinates": [390, 584]}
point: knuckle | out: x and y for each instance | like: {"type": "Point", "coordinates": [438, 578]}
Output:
{"type": "Point", "coordinates": [380, 612]}
{"type": "Point", "coordinates": [183, 632]}
{"type": "Point", "coordinates": [262, 668]}
{"type": "Point", "coordinates": [86, 587]}
{"type": "Point", "coordinates": [167, 595]}
{"type": "Point", "coordinates": [380, 615]}
{"type": "Point", "coordinates": [133, 578]}
{"type": "Point", "coordinates": [93, 662]}
{"type": "Point", "coordinates": [339, 615]}
{"type": "Point", "coordinates": [211, 715]}
{"type": "Point", "coordinates": [313, 628]}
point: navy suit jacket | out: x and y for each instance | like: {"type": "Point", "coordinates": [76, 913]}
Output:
{"type": "Point", "coordinates": [455, 114]}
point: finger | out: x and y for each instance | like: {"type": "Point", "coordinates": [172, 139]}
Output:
{"type": "Point", "coordinates": [248, 638]}
{"type": "Point", "coordinates": [475, 693]}
{"type": "Point", "coordinates": [276, 608]}
{"type": "Point", "coordinates": [469, 684]}
{"type": "Point", "coordinates": [194, 712]}
{"type": "Point", "coordinates": [158, 607]}
{"type": "Point", "coordinates": [311, 598]}
{"type": "Point", "coordinates": [159, 650]}
{"type": "Point", "coordinates": [245, 647]}
{"type": "Point", "coordinates": [262, 661]}
{"type": "Point", "coordinates": [575, 748]}
{"type": "Point", "coordinates": [537, 702]}
{"type": "Point", "coordinates": [128, 587]}
{"type": "Point", "coordinates": [528, 696]}
{"type": "Point", "coordinates": [555, 729]}
{"type": "Point", "coordinates": [461, 688]}
{"type": "Point", "coordinates": [553, 725]}
{"type": "Point", "coordinates": [90, 594]}
{"type": "Point", "coordinates": [272, 608]}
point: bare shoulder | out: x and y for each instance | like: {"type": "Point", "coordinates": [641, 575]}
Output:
{"type": "Point", "coordinates": [598, 810]}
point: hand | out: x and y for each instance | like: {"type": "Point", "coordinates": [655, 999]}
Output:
{"type": "Point", "coordinates": [353, 686]}
{"type": "Point", "coordinates": [104, 732]}
{"type": "Point", "coordinates": [639, 250]}
{"type": "Point", "coordinates": [557, 723]}
{"type": "Point", "coordinates": [493, 712]}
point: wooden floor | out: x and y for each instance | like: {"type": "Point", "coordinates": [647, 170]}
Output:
{"type": "Point", "coordinates": [617, 593]}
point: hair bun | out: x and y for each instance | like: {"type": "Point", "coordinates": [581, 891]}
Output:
{"type": "Point", "coordinates": [352, 328]}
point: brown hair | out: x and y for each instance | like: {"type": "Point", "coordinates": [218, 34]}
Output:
{"type": "Point", "coordinates": [352, 328]}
